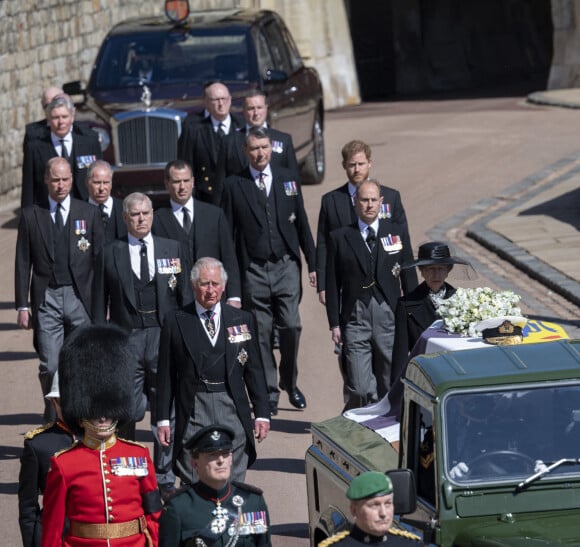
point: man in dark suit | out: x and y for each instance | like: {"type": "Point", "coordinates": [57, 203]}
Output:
{"type": "Point", "coordinates": [256, 114]}
{"type": "Point", "coordinates": [80, 150]}
{"type": "Point", "coordinates": [201, 229]}
{"type": "Point", "coordinates": [202, 144]}
{"type": "Point", "coordinates": [362, 290]}
{"type": "Point", "coordinates": [139, 280]}
{"type": "Point", "coordinates": [37, 129]}
{"type": "Point", "coordinates": [265, 208]}
{"type": "Point", "coordinates": [337, 206]}
{"type": "Point", "coordinates": [208, 365]}
{"type": "Point", "coordinates": [99, 185]}
{"type": "Point", "coordinates": [55, 258]}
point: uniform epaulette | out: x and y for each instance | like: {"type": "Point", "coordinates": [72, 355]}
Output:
{"type": "Point", "coordinates": [131, 442]}
{"type": "Point", "coordinates": [333, 539]}
{"type": "Point", "coordinates": [33, 432]}
{"type": "Point", "coordinates": [249, 487]}
{"type": "Point", "coordinates": [73, 445]}
{"type": "Point", "coordinates": [404, 533]}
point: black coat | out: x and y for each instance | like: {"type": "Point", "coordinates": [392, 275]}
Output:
{"type": "Point", "coordinates": [347, 270]}
{"type": "Point", "coordinates": [415, 312]}
{"type": "Point", "coordinates": [35, 254]}
{"type": "Point", "coordinates": [115, 288]}
{"type": "Point", "coordinates": [248, 219]}
{"type": "Point", "coordinates": [39, 446]}
{"type": "Point", "coordinates": [116, 227]}
{"type": "Point", "coordinates": [86, 149]}
{"type": "Point", "coordinates": [337, 211]}
{"type": "Point", "coordinates": [180, 361]}
{"type": "Point", "coordinates": [202, 148]}
{"type": "Point", "coordinates": [210, 235]}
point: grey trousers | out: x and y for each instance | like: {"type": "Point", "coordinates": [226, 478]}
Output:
{"type": "Point", "coordinates": [272, 294]}
{"type": "Point", "coordinates": [60, 313]}
{"type": "Point", "coordinates": [214, 408]}
{"type": "Point", "coordinates": [368, 347]}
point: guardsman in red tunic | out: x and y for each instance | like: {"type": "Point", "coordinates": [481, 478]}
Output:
{"type": "Point", "coordinates": [103, 485]}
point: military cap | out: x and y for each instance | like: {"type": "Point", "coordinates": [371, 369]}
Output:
{"type": "Point", "coordinates": [96, 372]}
{"type": "Point", "coordinates": [369, 485]}
{"type": "Point", "coordinates": [211, 438]}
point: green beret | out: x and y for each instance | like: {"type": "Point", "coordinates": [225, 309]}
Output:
{"type": "Point", "coordinates": [369, 485]}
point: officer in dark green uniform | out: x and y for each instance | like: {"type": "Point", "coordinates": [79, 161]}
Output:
{"type": "Point", "coordinates": [214, 511]}
{"type": "Point", "coordinates": [372, 506]}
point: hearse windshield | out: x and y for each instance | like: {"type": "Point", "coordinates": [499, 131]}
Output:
{"type": "Point", "coordinates": [510, 434]}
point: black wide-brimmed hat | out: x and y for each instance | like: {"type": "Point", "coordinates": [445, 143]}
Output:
{"type": "Point", "coordinates": [96, 373]}
{"type": "Point", "coordinates": [434, 253]}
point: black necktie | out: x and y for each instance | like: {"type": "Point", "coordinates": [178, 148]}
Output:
{"type": "Point", "coordinates": [371, 238]}
{"type": "Point", "coordinates": [209, 323]}
{"type": "Point", "coordinates": [58, 219]}
{"type": "Point", "coordinates": [221, 130]}
{"type": "Point", "coordinates": [144, 263]}
{"type": "Point", "coordinates": [186, 220]}
{"type": "Point", "coordinates": [104, 215]}
{"type": "Point", "coordinates": [262, 182]}
{"type": "Point", "coordinates": [63, 151]}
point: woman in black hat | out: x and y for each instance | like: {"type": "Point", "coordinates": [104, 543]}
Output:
{"type": "Point", "coordinates": [416, 311]}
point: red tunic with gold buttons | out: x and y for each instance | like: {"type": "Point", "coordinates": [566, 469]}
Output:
{"type": "Point", "coordinates": [99, 483]}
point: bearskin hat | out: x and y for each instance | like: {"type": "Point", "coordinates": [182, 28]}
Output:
{"type": "Point", "coordinates": [96, 376]}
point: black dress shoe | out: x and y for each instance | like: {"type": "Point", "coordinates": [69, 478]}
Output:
{"type": "Point", "coordinates": [297, 399]}
{"type": "Point", "coordinates": [273, 408]}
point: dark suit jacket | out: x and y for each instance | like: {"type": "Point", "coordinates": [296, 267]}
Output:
{"type": "Point", "coordinates": [180, 360]}
{"type": "Point", "coordinates": [115, 288]}
{"type": "Point", "coordinates": [210, 235]}
{"type": "Point", "coordinates": [37, 152]}
{"type": "Point", "coordinates": [35, 130]}
{"type": "Point", "coordinates": [249, 223]}
{"type": "Point", "coordinates": [35, 254]}
{"type": "Point", "coordinates": [39, 446]}
{"type": "Point", "coordinates": [283, 154]}
{"type": "Point", "coordinates": [116, 227]}
{"type": "Point", "coordinates": [336, 211]}
{"type": "Point", "coordinates": [415, 313]}
{"type": "Point", "coordinates": [202, 149]}
{"type": "Point", "coordinates": [347, 270]}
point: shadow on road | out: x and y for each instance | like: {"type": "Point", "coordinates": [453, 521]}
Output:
{"type": "Point", "coordinates": [10, 452]}
{"type": "Point", "coordinates": [284, 465]}
{"type": "Point", "coordinates": [9, 488]}
{"type": "Point", "coordinates": [11, 356]}
{"type": "Point", "coordinates": [564, 208]}
{"type": "Point", "coordinates": [20, 419]}
{"type": "Point", "coordinates": [291, 529]}
{"type": "Point", "coordinates": [289, 426]}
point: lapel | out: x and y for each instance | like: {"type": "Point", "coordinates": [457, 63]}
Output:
{"type": "Point", "coordinates": [359, 247]}
{"type": "Point", "coordinates": [249, 195]}
{"type": "Point", "coordinates": [191, 330]}
{"type": "Point", "coordinates": [343, 206]}
{"type": "Point", "coordinates": [44, 222]}
{"type": "Point", "coordinates": [122, 262]}
{"type": "Point", "coordinates": [210, 139]}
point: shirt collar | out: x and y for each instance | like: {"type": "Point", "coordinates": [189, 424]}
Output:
{"type": "Point", "coordinates": [148, 239]}
{"type": "Point", "coordinates": [200, 309]}
{"type": "Point", "coordinates": [65, 204]}
{"type": "Point", "coordinates": [351, 189]}
{"type": "Point", "coordinates": [227, 122]}
{"type": "Point", "coordinates": [108, 203]}
{"type": "Point", "coordinates": [177, 206]}
{"type": "Point", "coordinates": [256, 174]}
{"type": "Point", "coordinates": [56, 140]}
{"type": "Point", "coordinates": [363, 227]}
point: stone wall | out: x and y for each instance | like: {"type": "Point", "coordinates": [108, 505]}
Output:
{"type": "Point", "coordinates": [565, 69]}
{"type": "Point", "coordinates": [50, 42]}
